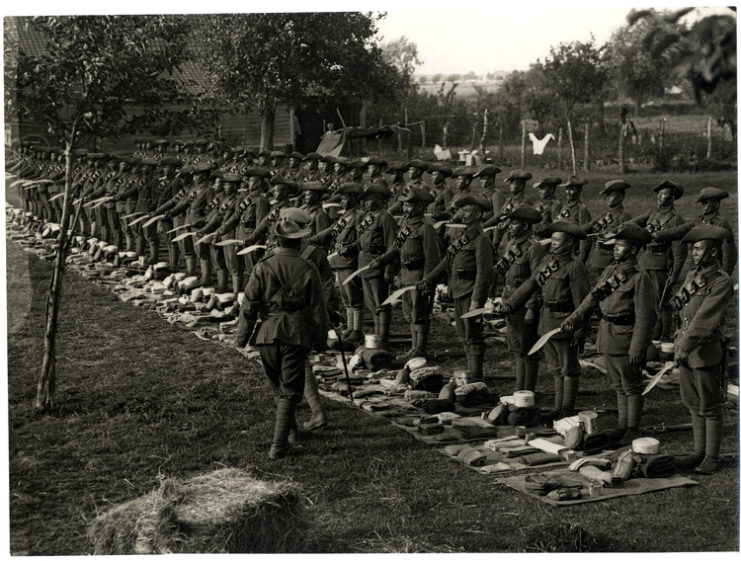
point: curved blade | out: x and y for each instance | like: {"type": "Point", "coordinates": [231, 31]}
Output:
{"type": "Point", "coordinates": [325, 206]}
{"type": "Point", "coordinates": [132, 215]}
{"type": "Point", "coordinates": [57, 196]}
{"type": "Point", "coordinates": [543, 340]}
{"type": "Point", "coordinates": [490, 228]}
{"type": "Point", "coordinates": [656, 377]}
{"type": "Point", "coordinates": [137, 220]}
{"type": "Point", "coordinates": [474, 313]}
{"type": "Point", "coordinates": [355, 274]}
{"type": "Point", "coordinates": [177, 228]}
{"type": "Point", "coordinates": [230, 242]}
{"type": "Point", "coordinates": [544, 241]}
{"type": "Point", "coordinates": [153, 220]}
{"type": "Point", "coordinates": [183, 236]}
{"type": "Point", "coordinates": [205, 238]}
{"type": "Point", "coordinates": [396, 295]}
{"type": "Point", "coordinates": [436, 225]}
{"type": "Point", "coordinates": [250, 249]}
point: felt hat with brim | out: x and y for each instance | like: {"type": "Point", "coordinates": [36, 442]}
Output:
{"type": "Point", "coordinates": [231, 177]}
{"type": "Point", "coordinates": [297, 215]}
{"type": "Point", "coordinates": [396, 166]}
{"type": "Point", "coordinates": [186, 169]}
{"type": "Point", "coordinates": [278, 154]}
{"type": "Point", "coordinates": [443, 169]}
{"type": "Point", "coordinates": [547, 182]}
{"type": "Point", "coordinates": [313, 156]}
{"type": "Point", "coordinates": [667, 184]}
{"type": "Point", "coordinates": [257, 172]}
{"type": "Point", "coordinates": [290, 230]}
{"type": "Point", "coordinates": [341, 160]}
{"type": "Point", "coordinates": [265, 153]}
{"type": "Point", "coordinates": [526, 214]}
{"type": "Point", "coordinates": [712, 193]}
{"type": "Point", "coordinates": [519, 174]}
{"type": "Point", "coordinates": [480, 202]}
{"type": "Point", "coordinates": [296, 156]}
{"type": "Point", "coordinates": [357, 164]}
{"type": "Point", "coordinates": [464, 171]}
{"type": "Point", "coordinates": [707, 232]}
{"type": "Point", "coordinates": [350, 188]}
{"type": "Point", "coordinates": [376, 189]}
{"type": "Point", "coordinates": [633, 232]}
{"type": "Point", "coordinates": [613, 186]}
{"type": "Point", "coordinates": [161, 141]}
{"type": "Point", "coordinates": [329, 158]}
{"type": "Point", "coordinates": [201, 168]}
{"type": "Point", "coordinates": [280, 180]}
{"type": "Point", "coordinates": [414, 195]}
{"type": "Point", "coordinates": [201, 142]}
{"type": "Point", "coordinates": [420, 164]}
{"type": "Point", "coordinates": [574, 181]}
{"type": "Point", "coordinates": [571, 228]}
{"type": "Point", "coordinates": [375, 161]}
{"type": "Point", "coordinates": [488, 170]}
{"type": "Point", "coordinates": [147, 162]}
{"type": "Point", "coordinates": [313, 186]}
{"type": "Point", "coordinates": [170, 161]}
{"type": "Point", "coordinates": [178, 142]}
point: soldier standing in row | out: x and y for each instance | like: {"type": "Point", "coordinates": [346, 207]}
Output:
{"type": "Point", "coordinates": [605, 226]}
{"type": "Point", "coordinates": [700, 345]}
{"type": "Point", "coordinates": [548, 206]}
{"type": "Point", "coordinates": [285, 292]}
{"type": "Point", "coordinates": [576, 211]}
{"type": "Point", "coordinates": [626, 298]}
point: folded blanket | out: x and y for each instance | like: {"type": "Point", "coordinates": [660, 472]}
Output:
{"type": "Point", "coordinates": [414, 395]}
{"type": "Point", "coordinates": [540, 458]}
{"type": "Point", "coordinates": [655, 465]}
{"type": "Point", "coordinates": [519, 451]}
{"type": "Point", "coordinates": [475, 433]}
{"type": "Point", "coordinates": [542, 484]}
{"type": "Point", "coordinates": [472, 457]}
{"type": "Point", "coordinates": [593, 473]}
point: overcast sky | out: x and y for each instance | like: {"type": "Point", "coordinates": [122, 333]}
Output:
{"type": "Point", "coordinates": [451, 36]}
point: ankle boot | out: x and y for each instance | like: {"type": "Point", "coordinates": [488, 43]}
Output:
{"type": "Point", "coordinates": [531, 374]}
{"type": "Point", "coordinates": [284, 419]}
{"type": "Point", "coordinates": [688, 461]}
{"type": "Point", "coordinates": [205, 272]}
{"type": "Point", "coordinates": [221, 281]}
{"type": "Point", "coordinates": [190, 266]}
{"type": "Point", "coordinates": [403, 357]}
{"type": "Point", "coordinates": [237, 280]}
{"type": "Point", "coordinates": [311, 393]}
{"type": "Point", "coordinates": [555, 413]}
{"type": "Point", "coordinates": [519, 373]}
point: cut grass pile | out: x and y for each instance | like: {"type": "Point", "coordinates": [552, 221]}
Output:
{"type": "Point", "coordinates": [139, 400]}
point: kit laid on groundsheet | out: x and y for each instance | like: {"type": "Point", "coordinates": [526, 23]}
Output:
{"type": "Point", "coordinates": [569, 463]}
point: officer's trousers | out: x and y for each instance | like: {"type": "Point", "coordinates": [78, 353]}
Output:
{"type": "Point", "coordinates": [284, 367]}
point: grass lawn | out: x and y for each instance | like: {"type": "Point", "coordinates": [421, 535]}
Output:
{"type": "Point", "coordinates": [139, 399]}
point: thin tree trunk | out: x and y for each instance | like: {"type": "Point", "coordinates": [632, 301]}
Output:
{"type": "Point", "coordinates": [522, 146]}
{"type": "Point", "coordinates": [363, 113]}
{"type": "Point", "coordinates": [586, 145]}
{"type": "Point", "coordinates": [661, 138]}
{"type": "Point", "coordinates": [46, 383]}
{"type": "Point", "coordinates": [501, 142]}
{"type": "Point", "coordinates": [380, 123]}
{"type": "Point", "coordinates": [571, 144]}
{"type": "Point", "coordinates": [709, 153]}
{"type": "Point", "coordinates": [474, 130]}
{"type": "Point", "coordinates": [601, 117]}
{"type": "Point", "coordinates": [558, 148]}
{"type": "Point", "coordinates": [445, 134]}
{"type": "Point", "coordinates": [484, 133]}
{"type": "Point", "coordinates": [621, 148]}
{"type": "Point", "coordinates": [267, 128]}
{"type": "Point", "coordinates": [423, 130]}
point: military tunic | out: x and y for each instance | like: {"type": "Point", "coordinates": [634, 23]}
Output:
{"type": "Point", "coordinates": [577, 211]}
{"type": "Point", "coordinates": [376, 232]}
{"type": "Point", "coordinates": [600, 255]}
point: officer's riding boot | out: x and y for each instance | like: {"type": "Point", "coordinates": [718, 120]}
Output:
{"type": "Point", "coordinates": [356, 336]}
{"type": "Point", "coordinates": [311, 393]}
{"type": "Point", "coordinates": [713, 431]}
{"type": "Point", "coordinates": [284, 419]}
{"type": "Point", "coordinates": [622, 423]}
{"type": "Point", "coordinates": [384, 321]}
{"type": "Point", "coordinates": [205, 272]}
{"type": "Point", "coordinates": [570, 387]}
{"type": "Point", "coordinates": [699, 436]}
{"type": "Point", "coordinates": [221, 281]}
{"type": "Point", "coordinates": [635, 407]}
{"type": "Point", "coordinates": [237, 280]}
{"type": "Point", "coordinates": [531, 374]}
{"type": "Point", "coordinates": [350, 315]}
{"type": "Point", "coordinates": [519, 373]}
{"type": "Point", "coordinates": [423, 332]}
{"type": "Point", "coordinates": [190, 266]}
{"type": "Point", "coordinates": [555, 413]}
{"type": "Point", "coordinates": [403, 357]}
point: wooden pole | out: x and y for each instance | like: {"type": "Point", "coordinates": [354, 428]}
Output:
{"type": "Point", "coordinates": [484, 133]}
{"type": "Point", "coordinates": [709, 153]}
{"type": "Point", "coordinates": [571, 144]}
{"type": "Point", "coordinates": [424, 134]}
{"type": "Point", "coordinates": [292, 127]}
{"type": "Point", "coordinates": [501, 141]}
{"type": "Point", "coordinates": [621, 148]}
{"type": "Point", "coordinates": [363, 112]}
{"type": "Point", "coordinates": [586, 145]}
{"type": "Point", "coordinates": [558, 148]}
{"type": "Point", "coordinates": [522, 145]}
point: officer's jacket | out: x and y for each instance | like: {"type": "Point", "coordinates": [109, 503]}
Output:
{"type": "Point", "coordinates": [702, 301]}
{"type": "Point", "coordinates": [246, 215]}
{"type": "Point", "coordinates": [470, 260]}
{"type": "Point", "coordinates": [627, 301]}
{"type": "Point", "coordinates": [376, 232]}
{"type": "Point", "coordinates": [661, 256]}
{"type": "Point", "coordinates": [167, 188]}
{"type": "Point", "coordinates": [417, 247]}
{"type": "Point", "coordinates": [520, 259]}
{"type": "Point", "coordinates": [344, 238]}
{"type": "Point", "coordinates": [600, 255]}
{"type": "Point", "coordinates": [500, 219]}
{"type": "Point", "coordinates": [563, 284]}
{"type": "Point", "coordinates": [548, 209]}
{"type": "Point", "coordinates": [730, 255]}
{"type": "Point", "coordinates": [285, 291]}
{"type": "Point", "coordinates": [146, 189]}
{"type": "Point", "coordinates": [221, 212]}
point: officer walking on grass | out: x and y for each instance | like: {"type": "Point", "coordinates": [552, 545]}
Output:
{"type": "Point", "coordinates": [284, 315]}
{"type": "Point", "coordinates": [626, 298]}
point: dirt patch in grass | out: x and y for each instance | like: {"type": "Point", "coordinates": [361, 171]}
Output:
{"type": "Point", "coordinates": [139, 399]}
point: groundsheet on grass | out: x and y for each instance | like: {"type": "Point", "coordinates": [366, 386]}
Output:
{"type": "Point", "coordinates": [636, 486]}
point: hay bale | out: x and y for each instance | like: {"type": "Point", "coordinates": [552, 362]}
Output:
{"type": "Point", "coordinates": [225, 511]}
